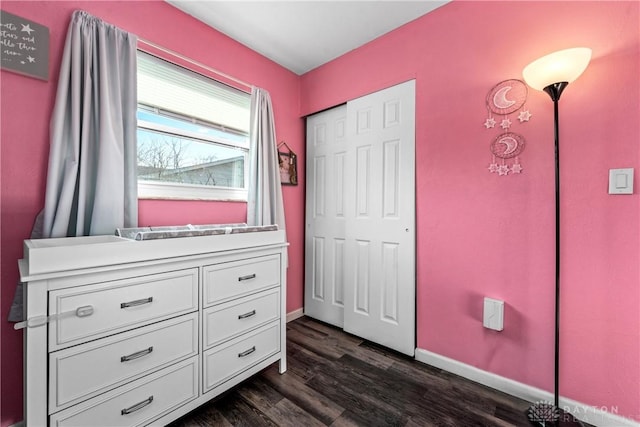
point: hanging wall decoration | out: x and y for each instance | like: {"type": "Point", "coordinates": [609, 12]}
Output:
{"type": "Point", "coordinates": [503, 100]}
{"type": "Point", "coordinates": [288, 165]}
{"type": "Point", "coordinates": [25, 46]}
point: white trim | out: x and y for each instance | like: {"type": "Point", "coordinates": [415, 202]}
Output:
{"type": "Point", "coordinates": [295, 314]}
{"type": "Point", "coordinates": [589, 414]}
{"type": "Point", "coordinates": [167, 190]}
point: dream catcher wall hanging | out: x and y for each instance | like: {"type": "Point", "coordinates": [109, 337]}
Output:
{"type": "Point", "coordinates": [503, 100]}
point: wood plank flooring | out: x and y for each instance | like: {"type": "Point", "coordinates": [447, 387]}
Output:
{"type": "Point", "coordinates": [337, 379]}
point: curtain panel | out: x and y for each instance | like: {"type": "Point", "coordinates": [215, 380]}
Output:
{"type": "Point", "coordinates": [91, 183]}
{"type": "Point", "coordinates": [264, 204]}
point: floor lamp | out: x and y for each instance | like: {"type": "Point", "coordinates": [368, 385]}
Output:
{"type": "Point", "coordinates": [552, 73]}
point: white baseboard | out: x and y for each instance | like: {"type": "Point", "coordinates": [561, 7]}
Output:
{"type": "Point", "coordinates": [601, 417]}
{"type": "Point", "coordinates": [295, 314]}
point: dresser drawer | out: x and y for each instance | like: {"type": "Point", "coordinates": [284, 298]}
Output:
{"type": "Point", "coordinates": [225, 361]}
{"type": "Point", "coordinates": [226, 281]}
{"type": "Point", "coordinates": [138, 403]}
{"type": "Point", "coordinates": [233, 318]}
{"type": "Point", "coordinates": [80, 372]}
{"type": "Point", "coordinates": [120, 305]}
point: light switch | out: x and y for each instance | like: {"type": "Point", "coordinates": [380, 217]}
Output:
{"type": "Point", "coordinates": [621, 181]}
{"type": "Point", "coordinates": [493, 316]}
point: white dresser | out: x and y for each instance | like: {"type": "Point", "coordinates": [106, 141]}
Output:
{"type": "Point", "coordinates": [131, 333]}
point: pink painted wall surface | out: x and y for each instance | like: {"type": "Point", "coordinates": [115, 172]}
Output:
{"type": "Point", "coordinates": [25, 109]}
{"type": "Point", "coordinates": [479, 234]}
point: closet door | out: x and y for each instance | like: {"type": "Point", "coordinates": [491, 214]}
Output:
{"type": "Point", "coordinates": [325, 216]}
{"type": "Point", "coordinates": [379, 218]}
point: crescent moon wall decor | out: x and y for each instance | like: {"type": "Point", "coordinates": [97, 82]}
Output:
{"type": "Point", "coordinates": [507, 96]}
{"type": "Point", "coordinates": [503, 99]}
{"type": "Point", "coordinates": [507, 145]}
{"type": "Point", "coordinates": [500, 98]}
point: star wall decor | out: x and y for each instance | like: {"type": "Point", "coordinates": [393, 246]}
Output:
{"type": "Point", "coordinates": [489, 123]}
{"type": "Point", "coordinates": [524, 116]}
{"type": "Point", "coordinates": [504, 99]}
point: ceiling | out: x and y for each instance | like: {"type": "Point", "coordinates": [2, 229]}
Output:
{"type": "Point", "coordinates": [302, 35]}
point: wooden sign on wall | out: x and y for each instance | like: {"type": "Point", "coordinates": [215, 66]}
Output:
{"type": "Point", "coordinates": [24, 46]}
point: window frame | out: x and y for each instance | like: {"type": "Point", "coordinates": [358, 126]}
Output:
{"type": "Point", "coordinates": [148, 189]}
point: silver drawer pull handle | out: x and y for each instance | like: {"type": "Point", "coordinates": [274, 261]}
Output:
{"type": "Point", "coordinates": [248, 277]}
{"type": "Point", "coordinates": [137, 406]}
{"type": "Point", "coordinates": [136, 355]}
{"type": "Point", "coordinates": [247, 352]}
{"type": "Point", "coordinates": [136, 302]}
{"type": "Point", "coordinates": [249, 314]}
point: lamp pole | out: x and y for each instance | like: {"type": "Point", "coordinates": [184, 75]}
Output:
{"type": "Point", "coordinates": [554, 91]}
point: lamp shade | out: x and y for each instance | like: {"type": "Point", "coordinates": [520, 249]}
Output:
{"type": "Point", "coordinates": [561, 66]}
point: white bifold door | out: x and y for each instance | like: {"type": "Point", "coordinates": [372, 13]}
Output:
{"type": "Point", "coordinates": [360, 217]}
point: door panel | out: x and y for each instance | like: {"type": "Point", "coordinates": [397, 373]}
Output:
{"type": "Point", "coordinates": [390, 275]}
{"type": "Point", "coordinates": [380, 218]}
{"type": "Point", "coordinates": [390, 178]}
{"type": "Point", "coordinates": [326, 190]}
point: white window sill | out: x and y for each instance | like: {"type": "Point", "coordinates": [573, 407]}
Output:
{"type": "Point", "coordinates": [177, 191]}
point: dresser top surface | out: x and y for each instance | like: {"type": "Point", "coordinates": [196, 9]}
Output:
{"type": "Point", "coordinates": [58, 256]}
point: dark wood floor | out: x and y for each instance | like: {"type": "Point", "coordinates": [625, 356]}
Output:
{"type": "Point", "coordinates": [337, 379]}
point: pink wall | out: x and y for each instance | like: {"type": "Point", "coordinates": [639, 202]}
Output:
{"type": "Point", "coordinates": [484, 235]}
{"type": "Point", "coordinates": [478, 234]}
{"type": "Point", "coordinates": [26, 106]}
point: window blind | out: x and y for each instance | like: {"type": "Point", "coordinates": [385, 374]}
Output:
{"type": "Point", "coordinates": [171, 88]}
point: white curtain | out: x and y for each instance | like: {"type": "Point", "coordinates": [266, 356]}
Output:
{"type": "Point", "coordinates": [91, 182]}
{"type": "Point", "coordinates": [265, 206]}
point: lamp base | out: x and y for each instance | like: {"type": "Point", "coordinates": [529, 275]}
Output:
{"type": "Point", "coordinates": [545, 414]}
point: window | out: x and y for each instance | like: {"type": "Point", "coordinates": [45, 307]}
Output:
{"type": "Point", "coordinates": [193, 134]}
